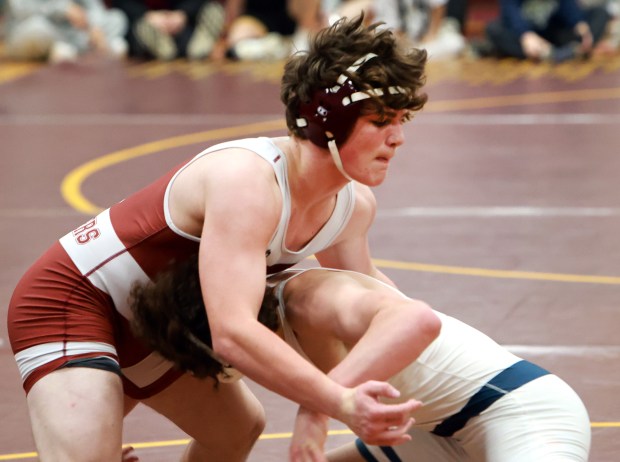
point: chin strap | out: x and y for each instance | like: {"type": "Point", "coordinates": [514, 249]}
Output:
{"type": "Point", "coordinates": [333, 149]}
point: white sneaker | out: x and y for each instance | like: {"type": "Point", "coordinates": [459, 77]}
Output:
{"type": "Point", "coordinates": [449, 42]}
{"type": "Point", "coordinates": [158, 44]}
{"type": "Point", "coordinates": [118, 48]}
{"type": "Point", "coordinates": [208, 29]}
{"type": "Point", "coordinates": [62, 52]}
{"type": "Point", "coordinates": [270, 47]}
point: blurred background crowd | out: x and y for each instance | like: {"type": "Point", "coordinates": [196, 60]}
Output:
{"type": "Point", "coordinates": [64, 30]}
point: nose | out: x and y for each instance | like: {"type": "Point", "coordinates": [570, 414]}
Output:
{"type": "Point", "coordinates": [396, 136]}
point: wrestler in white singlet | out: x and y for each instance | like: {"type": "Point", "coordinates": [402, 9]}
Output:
{"type": "Point", "coordinates": [481, 402]}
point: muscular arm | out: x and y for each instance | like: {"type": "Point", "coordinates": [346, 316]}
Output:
{"type": "Point", "coordinates": [379, 330]}
{"type": "Point", "coordinates": [231, 199]}
{"type": "Point", "coordinates": [240, 214]}
{"type": "Point", "coordinates": [382, 332]}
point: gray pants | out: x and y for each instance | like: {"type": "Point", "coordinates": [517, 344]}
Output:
{"type": "Point", "coordinates": [33, 37]}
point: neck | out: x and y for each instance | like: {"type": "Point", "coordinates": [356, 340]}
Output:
{"type": "Point", "coordinates": [312, 172]}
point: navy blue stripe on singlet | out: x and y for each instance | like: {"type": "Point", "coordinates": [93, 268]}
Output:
{"type": "Point", "coordinates": [366, 454]}
{"type": "Point", "coordinates": [390, 453]}
{"type": "Point", "coordinates": [506, 381]}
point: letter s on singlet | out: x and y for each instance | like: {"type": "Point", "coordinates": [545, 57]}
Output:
{"type": "Point", "coordinates": [87, 232]}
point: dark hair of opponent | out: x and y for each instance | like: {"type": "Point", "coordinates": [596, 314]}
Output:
{"type": "Point", "coordinates": [170, 317]}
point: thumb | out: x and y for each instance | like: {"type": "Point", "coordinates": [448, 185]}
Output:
{"type": "Point", "coordinates": [382, 389]}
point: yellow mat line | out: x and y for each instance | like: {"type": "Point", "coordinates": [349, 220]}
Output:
{"type": "Point", "coordinates": [266, 436]}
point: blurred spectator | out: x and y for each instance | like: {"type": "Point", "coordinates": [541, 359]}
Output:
{"type": "Point", "coordinates": [61, 30]}
{"type": "Point", "coordinates": [423, 23]}
{"type": "Point", "coordinates": [169, 29]}
{"type": "Point", "coordinates": [551, 30]}
{"type": "Point", "coordinates": [267, 29]}
{"type": "Point", "coordinates": [457, 10]}
{"type": "Point", "coordinates": [610, 43]}
{"type": "Point", "coordinates": [2, 15]}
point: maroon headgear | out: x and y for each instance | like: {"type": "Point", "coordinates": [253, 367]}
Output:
{"type": "Point", "coordinates": [332, 112]}
{"type": "Point", "coordinates": [328, 119]}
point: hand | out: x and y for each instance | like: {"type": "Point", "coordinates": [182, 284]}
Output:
{"type": "Point", "coordinates": [76, 15]}
{"type": "Point", "coordinates": [374, 422]}
{"type": "Point", "coordinates": [534, 46]}
{"type": "Point", "coordinates": [158, 19]}
{"type": "Point", "coordinates": [175, 21]}
{"type": "Point", "coordinates": [309, 435]}
{"type": "Point", "coordinates": [585, 34]}
{"type": "Point", "coordinates": [98, 40]}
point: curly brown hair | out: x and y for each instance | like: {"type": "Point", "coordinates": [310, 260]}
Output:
{"type": "Point", "coordinates": [335, 49]}
{"type": "Point", "coordinates": [170, 317]}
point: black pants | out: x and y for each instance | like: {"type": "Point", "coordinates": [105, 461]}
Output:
{"type": "Point", "coordinates": [508, 43]}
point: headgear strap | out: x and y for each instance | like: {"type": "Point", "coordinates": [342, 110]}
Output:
{"type": "Point", "coordinates": [327, 120]}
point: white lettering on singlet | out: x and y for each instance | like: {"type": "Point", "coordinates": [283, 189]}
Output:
{"type": "Point", "coordinates": [104, 260]}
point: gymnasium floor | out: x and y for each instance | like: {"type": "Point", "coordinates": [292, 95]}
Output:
{"type": "Point", "coordinates": [502, 208]}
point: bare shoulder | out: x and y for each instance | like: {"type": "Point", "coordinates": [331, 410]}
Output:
{"type": "Point", "coordinates": [364, 197]}
{"type": "Point", "coordinates": [234, 164]}
{"type": "Point", "coordinates": [363, 213]}
{"type": "Point", "coordinates": [228, 183]}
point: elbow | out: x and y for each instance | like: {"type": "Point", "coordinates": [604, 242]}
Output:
{"type": "Point", "coordinates": [434, 324]}
{"type": "Point", "coordinates": [426, 322]}
{"type": "Point", "coordinates": [226, 345]}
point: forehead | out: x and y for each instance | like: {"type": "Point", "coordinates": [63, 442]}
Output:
{"type": "Point", "coordinates": [383, 113]}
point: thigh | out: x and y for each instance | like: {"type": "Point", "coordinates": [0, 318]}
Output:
{"type": "Point", "coordinates": [225, 420]}
{"type": "Point", "coordinates": [542, 420]}
{"type": "Point", "coordinates": [77, 411]}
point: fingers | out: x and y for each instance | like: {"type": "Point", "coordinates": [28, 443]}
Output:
{"type": "Point", "coordinates": [129, 455]}
{"type": "Point", "coordinates": [384, 423]}
{"type": "Point", "coordinates": [376, 422]}
{"type": "Point", "coordinates": [379, 389]}
{"type": "Point", "coordinates": [388, 436]}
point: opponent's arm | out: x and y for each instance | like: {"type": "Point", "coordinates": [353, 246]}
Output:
{"type": "Point", "coordinates": [356, 328]}
{"type": "Point", "coordinates": [382, 331]}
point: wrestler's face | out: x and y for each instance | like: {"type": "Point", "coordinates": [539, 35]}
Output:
{"type": "Point", "coordinates": [372, 144]}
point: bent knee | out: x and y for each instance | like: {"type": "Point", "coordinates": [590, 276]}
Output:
{"type": "Point", "coordinates": [228, 444]}
{"type": "Point", "coordinates": [255, 424]}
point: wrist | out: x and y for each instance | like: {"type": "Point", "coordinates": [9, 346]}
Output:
{"type": "Point", "coordinates": [346, 406]}
{"type": "Point", "coordinates": [316, 416]}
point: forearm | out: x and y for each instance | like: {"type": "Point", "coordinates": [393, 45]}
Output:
{"type": "Point", "coordinates": [395, 338]}
{"type": "Point", "coordinates": [266, 359]}
{"type": "Point", "coordinates": [232, 10]}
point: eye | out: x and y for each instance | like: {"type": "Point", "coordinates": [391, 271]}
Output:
{"type": "Point", "coordinates": [381, 122]}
